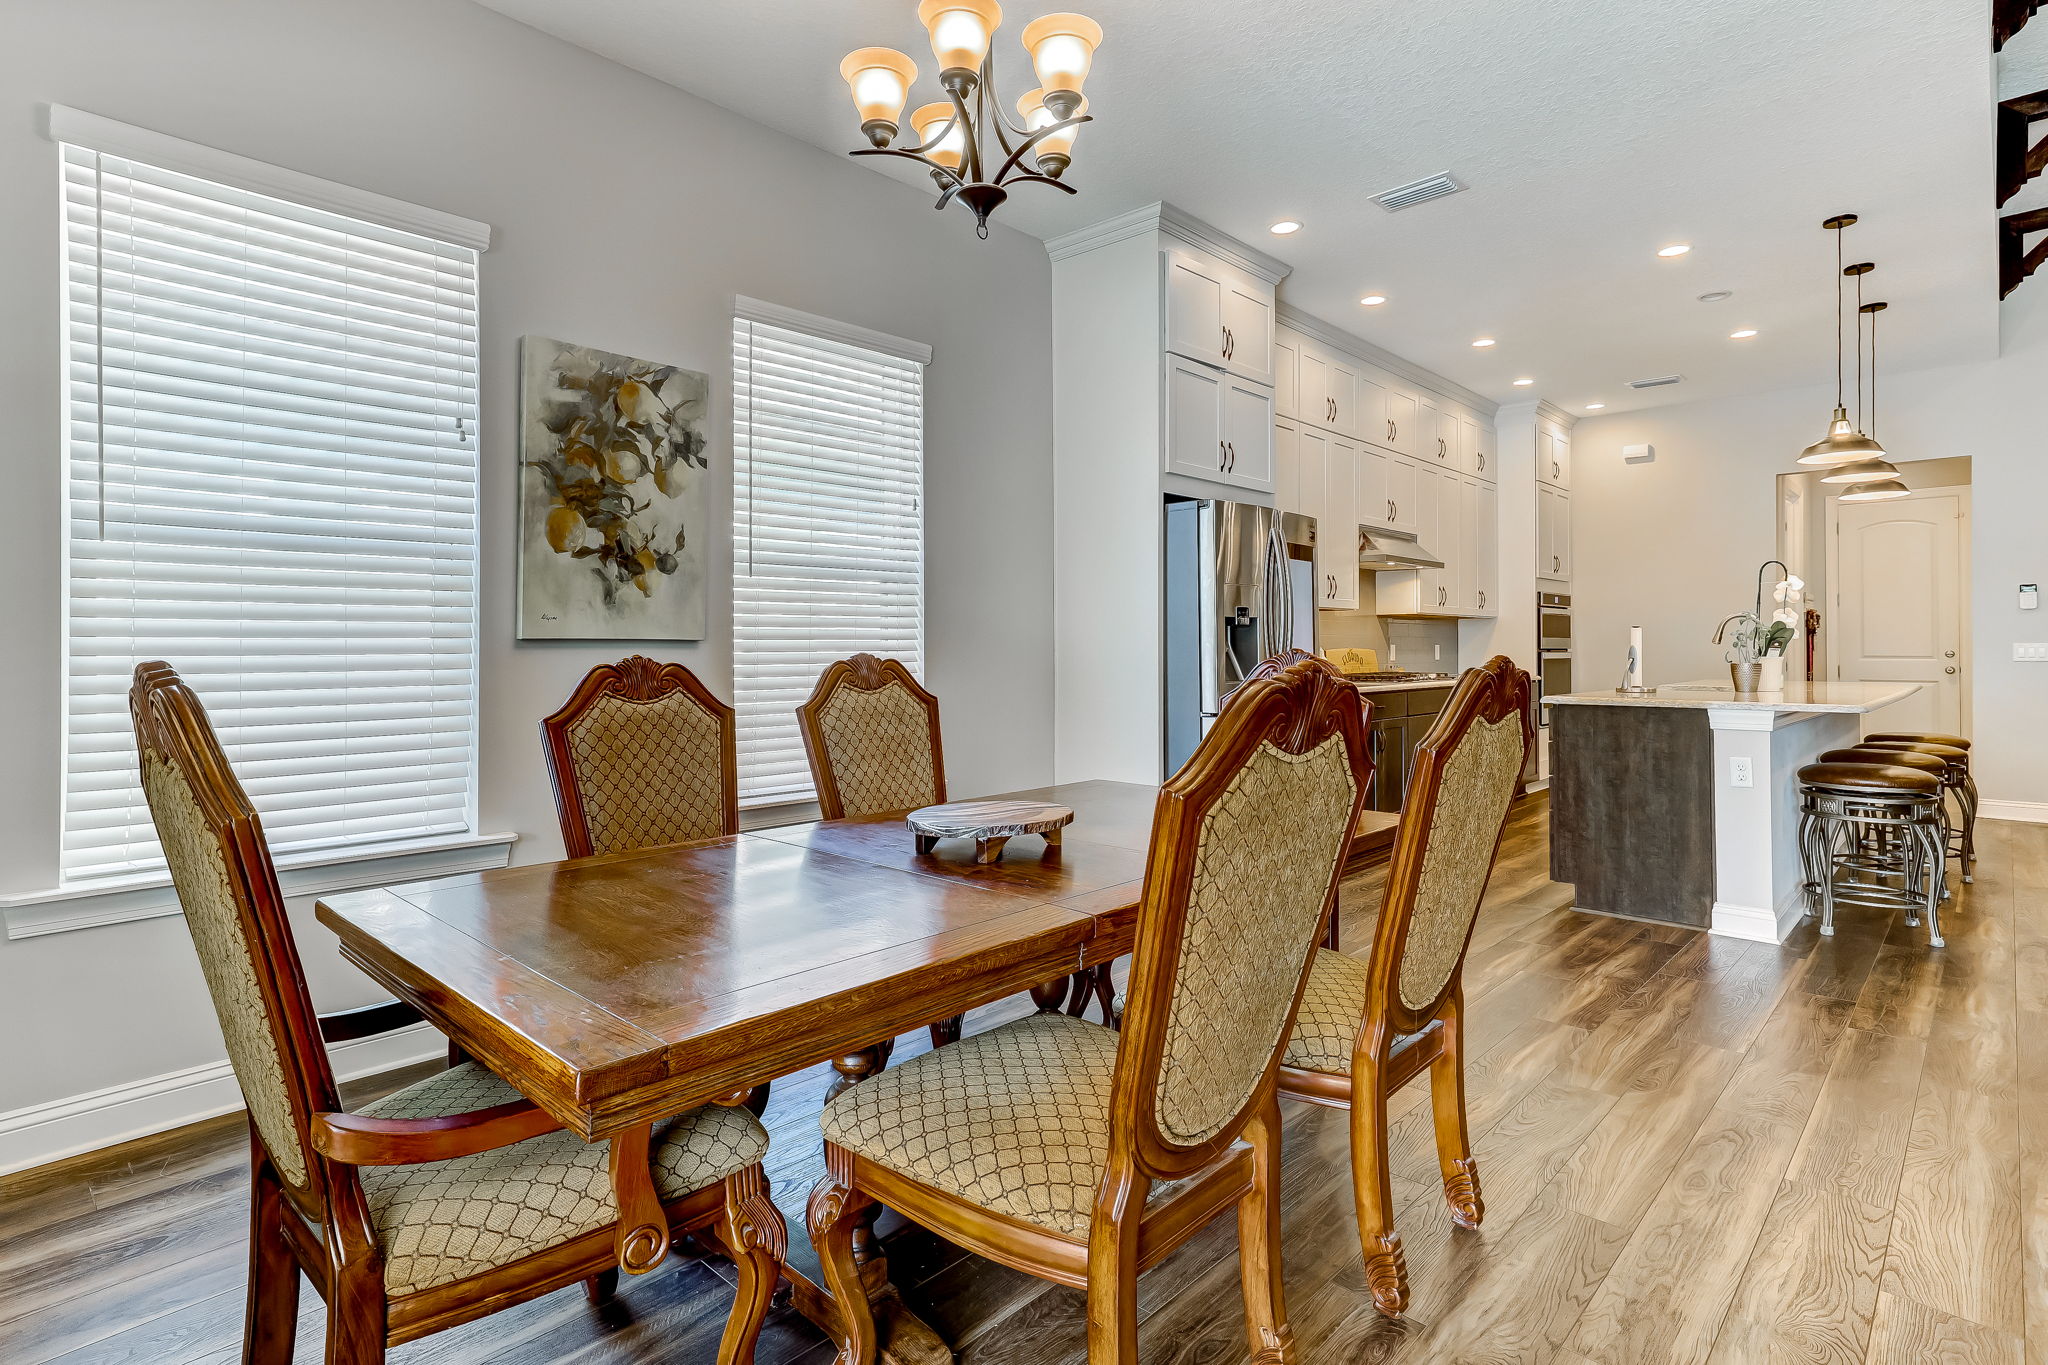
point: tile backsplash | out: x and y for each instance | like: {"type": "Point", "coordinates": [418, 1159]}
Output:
{"type": "Point", "coordinates": [1401, 642]}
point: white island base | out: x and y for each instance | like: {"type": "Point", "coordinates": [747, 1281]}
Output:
{"type": "Point", "coordinates": [1640, 832]}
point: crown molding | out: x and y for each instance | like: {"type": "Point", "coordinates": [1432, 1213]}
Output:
{"type": "Point", "coordinates": [1178, 224]}
{"type": "Point", "coordinates": [1310, 325]}
{"type": "Point", "coordinates": [1546, 408]}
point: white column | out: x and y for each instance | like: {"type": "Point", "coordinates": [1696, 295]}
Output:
{"type": "Point", "coordinates": [1756, 828]}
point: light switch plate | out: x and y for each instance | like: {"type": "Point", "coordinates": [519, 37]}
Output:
{"type": "Point", "coordinates": [2030, 654]}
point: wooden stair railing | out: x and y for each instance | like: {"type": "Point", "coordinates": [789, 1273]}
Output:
{"type": "Point", "coordinates": [2015, 260]}
{"type": "Point", "coordinates": [2009, 17]}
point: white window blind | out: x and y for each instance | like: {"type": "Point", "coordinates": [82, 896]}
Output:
{"type": "Point", "coordinates": [273, 486]}
{"type": "Point", "coordinates": [828, 523]}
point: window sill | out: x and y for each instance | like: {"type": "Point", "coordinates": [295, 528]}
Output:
{"type": "Point", "coordinates": [32, 914]}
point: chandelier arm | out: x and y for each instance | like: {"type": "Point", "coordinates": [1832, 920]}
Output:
{"type": "Point", "coordinates": [1032, 177]}
{"type": "Point", "coordinates": [913, 154]}
{"type": "Point", "coordinates": [1033, 139]}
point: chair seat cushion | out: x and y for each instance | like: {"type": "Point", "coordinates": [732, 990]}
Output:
{"type": "Point", "coordinates": [1865, 777]}
{"type": "Point", "coordinates": [1925, 737]}
{"type": "Point", "coordinates": [443, 1221]}
{"type": "Point", "coordinates": [1332, 1008]}
{"type": "Point", "coordinates": [1014, 1120]}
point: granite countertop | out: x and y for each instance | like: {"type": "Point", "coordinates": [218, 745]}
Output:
{"type": "Point", "coordinates": [1406, 684]}
{"type": "Point", "coordinates": [1857, 698]}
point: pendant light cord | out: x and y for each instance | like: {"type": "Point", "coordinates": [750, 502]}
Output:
{"type": "Point", "coordinates": [1873, 364]}
{"type": "Point", "coordinates": [1838, 317]}
{"type": "Point", "coordinates": [1859, 352]}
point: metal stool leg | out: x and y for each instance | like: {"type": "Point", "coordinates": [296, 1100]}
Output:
{"type": "Point", "coordinates": [1935, 890]}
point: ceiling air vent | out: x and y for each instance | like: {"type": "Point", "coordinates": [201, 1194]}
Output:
{"type": "Point", "coordinates": [1661, 381]}
{"type": "Point", "coordinates": [1408, 196]}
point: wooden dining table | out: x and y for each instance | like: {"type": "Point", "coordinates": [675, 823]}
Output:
{"type": "Point", "coordinates": [614, 991]}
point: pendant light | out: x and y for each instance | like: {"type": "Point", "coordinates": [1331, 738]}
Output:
{"type": "Point", "coordinates": [1882, 481]}
{"type": "Point", "coordinates": [1843, 442]}
{"type": "Point", "coordinates": [1876, 468]}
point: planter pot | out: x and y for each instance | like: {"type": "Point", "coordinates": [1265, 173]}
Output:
{"type": "Point", "coordinates": [1771, 673]}
{"type": "Point", "coordinates": [1744, 673]}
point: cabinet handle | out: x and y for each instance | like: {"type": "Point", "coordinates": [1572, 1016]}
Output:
{"type": "Point", "coordinates": [1231, 446]}
{"type": "Point", "coordinates": [1482, 459]}
{"type": "Point", "coordinates": [1222, 456]}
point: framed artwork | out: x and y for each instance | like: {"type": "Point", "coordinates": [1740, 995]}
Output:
{"type": "Point", "coordinates": [613, 495]}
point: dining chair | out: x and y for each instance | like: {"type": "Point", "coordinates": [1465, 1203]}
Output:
{"type": "Point", "coordinates": [1367, 1028]}
{"type": "Point", "coordinates": [1082, 1155]}
{"type": "Point", "coordinates": [871, 733]}
{"type": "Point", "coordinates": [451, 1198]}
{"type": "Point", "coordinates": [642, 754]}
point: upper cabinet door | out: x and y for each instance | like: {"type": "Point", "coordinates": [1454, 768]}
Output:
{"type": "Point", "coordinates": [1404, 423]}
{"type": "Point", "coordinates": [1337, 529]}
{"type": "Point", "coordinates": [1564, 461]}
{"type": "Point", "coordinates": [1440, 435]}
{"type": "Point", "coordinates": [1369, 420]}
{"type": "Point", "coordinates": [1247, 434]}
{"type": "Point", "coordinates": [1482, 546]}
{"type": "Point", "coordinates": [1553, 458]}
{"type": "Point", "coordinates": [1312, 401]}
{"type": "Point", "coordinates": [1194, 309]}
{"type": "Point", "coordinates": [1374, 507]}
{"type": "Point", "coordinates": [1194, 421]}
{"type": "Point", "coordinates": [1476, 442]}
{"type": "Point", "coordinates": [1287, 467]}
{"type": "Point", "coordinates": [1404, 508]}
{"type": "Point", "coordinates": [1286, 374]}
{"type": "Point", "coordinates": [1343, 392]}
{"type": "Point", "coordinates": [1248, 328]}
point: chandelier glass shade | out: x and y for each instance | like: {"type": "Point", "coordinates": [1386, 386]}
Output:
{"type": "Point", "coordinates": [966, 140]}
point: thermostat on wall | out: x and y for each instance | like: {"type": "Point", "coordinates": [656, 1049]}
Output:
{"type": "Point", "coordinates": [2030, 596]}
{"type": "Point", "coordinates": [1641, 454]}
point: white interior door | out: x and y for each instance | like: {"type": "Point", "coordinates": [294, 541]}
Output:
{"type": "Point", "coordinates": [1898, 609]}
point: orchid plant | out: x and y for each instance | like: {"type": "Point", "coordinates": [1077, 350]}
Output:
{"type": "Point", "coordinates": [1750, 635]}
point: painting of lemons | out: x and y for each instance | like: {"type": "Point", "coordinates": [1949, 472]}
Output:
{"type": "Point", "coordinates": [613, 476]}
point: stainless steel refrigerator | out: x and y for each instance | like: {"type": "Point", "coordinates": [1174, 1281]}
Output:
{"type": "Point", "coordinates": [1240, 587]}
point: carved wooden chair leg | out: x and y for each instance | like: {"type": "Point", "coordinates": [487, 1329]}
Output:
{"type": "Point", "coordinates": [833, 1214]}
{"type": "Point", "coordinates": [1113, 1284]}
{"type": "Point", "coordinates": [756, 1238]}
{"type": "Point", "coordinates": [1258, 1244]}
{"type": "Point", "coordinates": [355, 1315]}
{"type": "Point", "coordinates": [1386, 1268]}
{"type": "Point", "coordinates": [947, 1030]}
{"type": "Point", "coordinates": [600, 1287]}
{"type": "Point", "coordinates": [272, 1320]}
{"type": "Point", "coordinates": [1447, 1097]}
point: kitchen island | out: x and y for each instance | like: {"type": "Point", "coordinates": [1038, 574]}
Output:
{"type": "Point", "coordinates": [1681, 804]}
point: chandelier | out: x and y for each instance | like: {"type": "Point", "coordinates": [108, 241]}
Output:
{"type": "Point", "coordinates": [961, 137]}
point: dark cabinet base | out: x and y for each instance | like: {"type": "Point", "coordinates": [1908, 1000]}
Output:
{"type": "Point", "coordinates": [1632, 810]}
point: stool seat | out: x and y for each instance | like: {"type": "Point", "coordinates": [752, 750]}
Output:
{"type": "Point", "coordinates": [1925, 737]}
{"type": "Point", "coordinates": [1886, 778]}
{"type": "Point", "coordinates": [1899, 758]}
{"type": "Point", "coordinates": [1918, 746]}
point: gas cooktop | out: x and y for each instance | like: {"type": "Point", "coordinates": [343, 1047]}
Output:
{"type": "Point", "coordinates": [1399, 675]}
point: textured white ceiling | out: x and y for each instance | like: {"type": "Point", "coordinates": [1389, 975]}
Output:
{"type": "Point", "coordinates": [1590, 132]}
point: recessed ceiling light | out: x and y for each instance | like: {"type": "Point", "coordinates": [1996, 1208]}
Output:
{"type": "Point", "coordinates": [1285, 226]}
{"type": "Point", "coordinates": [1523, 383]}
{"type": "Point", "coordinates": [1594, 407]}
{"type": "Point", "coordinates": [1484, 341]}
{"type": "Point", "coordinates": [1716, 295]}
{"type": "Point", "coordinates": [1675, 249]}
{"type": "Point", "coordinates": [1373, 300]}
{"type": "Point", "coordinates": [1742, 335]}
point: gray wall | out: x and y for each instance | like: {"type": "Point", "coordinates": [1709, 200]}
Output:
{"type": "Point", "coordinates": [1674, 545]}
{"type": "Point", "coordinates": [626, 215]}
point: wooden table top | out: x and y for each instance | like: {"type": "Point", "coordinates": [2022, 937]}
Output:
{"type": "Point", "coordinates": [618, 989]}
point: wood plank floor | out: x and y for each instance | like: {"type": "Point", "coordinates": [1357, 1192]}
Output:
{"type": "Point", "coordinates": [1693, 1150]}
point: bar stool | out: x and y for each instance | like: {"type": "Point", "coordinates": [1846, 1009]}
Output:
{"type": "Point", "coordinates": [1873, 756]}
{"type": "Point", "coordinates": [1887, 820]}
{"type": "Point", "coordinates": [1956, 780]}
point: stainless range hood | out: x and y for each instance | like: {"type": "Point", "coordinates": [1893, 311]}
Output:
{"type": "Point", "coordinates": [1382, 547]}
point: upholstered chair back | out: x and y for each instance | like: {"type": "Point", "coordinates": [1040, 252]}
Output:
{"type": "Point", "coordinates": [1248, 842]}
{"type": "Point", "coordinates": [1463, 779]}
{"type": "Point", "coordinates": [220, 866]}
{"type": "Point", "coordinates": [641, 755]}
{"type": "Point", "coordinates": [872, 735]}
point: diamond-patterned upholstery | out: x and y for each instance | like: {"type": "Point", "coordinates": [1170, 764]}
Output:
{"type": "Point", "coordinates": [878, 744]}
{"type": "Point", "coordinates": [648, 772]}
{"type": "Point", "coordinates": [1332, 1009]}
{"type": "Point", "coordinates": [199, 871]}
{"type": "Point", "coordinates": [1268, 849]}
{"type": "Point", "coordinates": [447, 1220]}
{"type": "Point", "coordinates": [1014, 1120]}
{"type": "Point", "coordinates": [1472, 800]}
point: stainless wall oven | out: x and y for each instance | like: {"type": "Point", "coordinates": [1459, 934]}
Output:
{"type": "Point", "coordinates": [1553, 649]}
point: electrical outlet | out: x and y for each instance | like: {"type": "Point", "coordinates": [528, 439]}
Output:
{"type": "Point", "coordinates": [2030, 654]}
{"type": "Point", "coordinates": [1436, 652]}
{"type": "Point", "coordinates": [1740, 774]}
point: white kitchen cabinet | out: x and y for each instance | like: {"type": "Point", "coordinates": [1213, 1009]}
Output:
{"type": "Point", "coordinates": [1480, 591]}
{"type": "Point", "coordinates": [1247, 433]}
{"type": "Point", "coordinates": [1553, 458]}
{"type": "Point", "coordinates": [1415, 592]}
{"type": "Point", "coordinates": [1404, 422]}
{"type": "Point", "coordinates": [1477, 444]}
{"type": "Point", "coordinates": [1287, 467]}
{"type": "Point", "coordinates": [1287, 374]}
{"type": "Point", "coordinates": [1553, 533]}
{"type": "Point", "coordinates": [1440, 434]}
{"type": "Point", "coordinates": [1337, 527]}
{"type": "Point", "coordinates": [1369, 409]}
{"type": "Point", "coordinates": [1373, 506]}
{"type": "Point", "coordinates": [1217, 315]}
{"type": "Point", "coordinates": [1443, 589]}
{"type": "Point", "coordinates": [1328, 385]}
{"type": "Point", "coordinates": [1401, 483]}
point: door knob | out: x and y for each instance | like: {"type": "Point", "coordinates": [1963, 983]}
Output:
{"type": "Point", "coordinates": [1948, 654]}
{"type": "Point", "coordinates": [1950, 669]}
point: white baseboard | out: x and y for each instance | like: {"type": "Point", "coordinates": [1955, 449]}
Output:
{"type": "Point", "coordinates": [1757, 924]}
{"type": "Point", "coordinates": [43, 1133]}
{"type": "Point", "coordinates": [2032, 812]}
